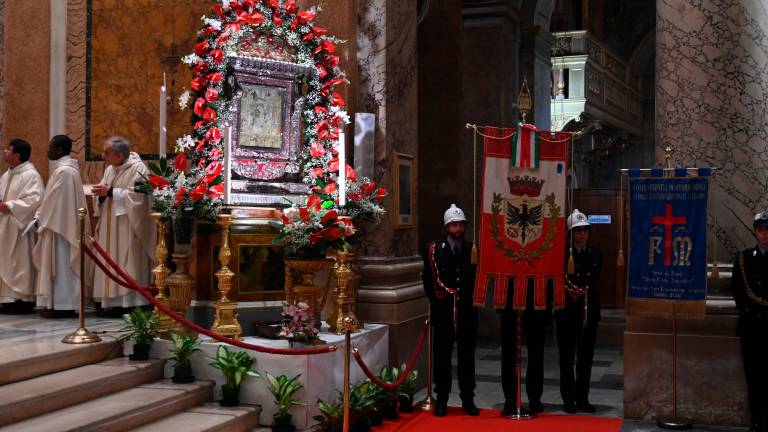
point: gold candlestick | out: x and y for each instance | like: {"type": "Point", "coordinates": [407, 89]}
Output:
{"type": "Point", "coordinates": [180, 284]}
{"type": "Point", "coordinates": [225, 322]}
{"type": "Point", "coordinates": [161, 272]}
{"type": "Point", "coordinates": [344, 308]}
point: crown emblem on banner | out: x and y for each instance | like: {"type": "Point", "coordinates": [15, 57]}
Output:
{"type": "Point", "coordinates": [525, 185]}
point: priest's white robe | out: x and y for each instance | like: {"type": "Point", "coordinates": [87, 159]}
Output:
{"type": "Point", "coordinates": [57, 252]}
{"type": "Point", "coordinates": [22, 191]}
{"type": "Point", "coordinates": [126, 231]}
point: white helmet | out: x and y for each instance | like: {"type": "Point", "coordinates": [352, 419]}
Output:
{"type": "Point", "coordinates": [577, 219]}
{"type": "Point", "coordinates": [453, 214]}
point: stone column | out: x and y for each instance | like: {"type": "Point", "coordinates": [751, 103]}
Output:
{"type": "Point", "coordinates": [3, 165]}
{"type": "Point", "coordinates": [536, 67]}
{"type": "Point", "coordinates": [390, 288]}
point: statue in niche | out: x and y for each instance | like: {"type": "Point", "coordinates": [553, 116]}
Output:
{"type": "Point", "coordinates": [266, 136]}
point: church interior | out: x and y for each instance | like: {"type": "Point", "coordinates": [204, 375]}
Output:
{"type": "Point", "coordinates": [632, 83]}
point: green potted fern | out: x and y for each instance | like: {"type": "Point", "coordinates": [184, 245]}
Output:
{"type": "Point", "coordinates": [182, 349]}
{"type": "Point", "coordinates": [236, 367]}
{"type": "Point", "coordinates": [407, 390]}
{"type": "Point", "coordinates": [388, 399]}
{"type": "Point", "coordinates": [141, 328]}
{"type": "Point", "coordinates": [331, 418]}
{"type": "Point", "coordinates": [283, 389]}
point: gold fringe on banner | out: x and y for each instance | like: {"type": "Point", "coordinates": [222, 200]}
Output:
{"type": "Point", "coordinates": [474, 252]}
{"type": "Point", "coordinates": [571, 263]}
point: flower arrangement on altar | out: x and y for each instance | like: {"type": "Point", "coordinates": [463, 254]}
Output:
{"type": "Point", "coordinates": [298, 323]}
{"type": "Point", "coordinates": [178, 191]}
{"type": "Point", "coordinates": [343, 196]}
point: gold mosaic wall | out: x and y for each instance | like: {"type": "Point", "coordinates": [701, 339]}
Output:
{"type": "Point", "coordinates": [132, 43]}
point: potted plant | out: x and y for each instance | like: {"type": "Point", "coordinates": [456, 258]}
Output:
{"type": "Point", "coordinates": [388, 399]}
{"type": "Point", "coordinates": [299, 324]}
{"type": "Point", "coordinates": [406, 390]}
{"type": "Point", "coordinates": [361, 403]}
{"type": "Point", "coordinates": [283, 389]}
{"type": "Point", "coordinates": [182, 349]}
{"type": "Point", "coordinates": [141, 328]}
{"type": "Point", "coordinates": [236, 367]}
{"type": "Point", "coordinates": [331, 418]}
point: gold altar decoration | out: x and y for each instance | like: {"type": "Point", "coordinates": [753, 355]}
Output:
{"type": "Point", "coordinates": [344, 297]}
{"type": "Point", "coordinates": [180, 284]}
{"type": "Point", "coordinates": [306, 291]}
{"type": "Point", "coordinates": [225, 323]}
{"type": "Point", "coordinates": [161, 273]}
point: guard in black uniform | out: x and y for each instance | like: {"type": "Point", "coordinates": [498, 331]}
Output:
{"type": "Point", "coordinates": [449, 281]}
{"type": "Point", "coordinates": [577, 323]}
{"type": "Point", "coordinates": [749, 283]}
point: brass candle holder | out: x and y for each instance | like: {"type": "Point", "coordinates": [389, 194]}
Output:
{"type": "Point", "coordinates": [225, 322]}
{"type": "Point", "coordinates": [180, 284]}
{"type": "Point", "coordinates": [343, 315]}
{"type": "Point", "coordinates": [161, 273]}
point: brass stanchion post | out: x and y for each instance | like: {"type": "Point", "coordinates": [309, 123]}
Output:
{"type": "Point", "coordinates": [161, 273]}
{"type": "Point", "coordinates": [82, 335]}
{"type": "Point", "coordinates": [349, 325]}
{"type": "Point", "coordinates": [428, 404]}
{"type": "Point", "coordinates": [225, 322]}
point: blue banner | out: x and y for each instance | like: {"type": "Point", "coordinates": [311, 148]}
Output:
{"type": "Point", "coordinates": [668, 238]}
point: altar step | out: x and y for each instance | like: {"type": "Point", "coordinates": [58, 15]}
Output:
{"type": "Point", "coordinates": [209, 418]}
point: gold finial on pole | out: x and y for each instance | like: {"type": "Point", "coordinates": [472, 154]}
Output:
{"type": "Point", "coordinates": [161, 273]}
{"type": "Point", "coordinates": [82, 335]}
{"type": "Point", "coordinates": [524, 101]}
{"type": "Point", "coordinates": [225, 322]}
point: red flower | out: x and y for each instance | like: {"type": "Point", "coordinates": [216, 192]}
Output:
{"type": "Point", "coordinates": [351, 174]}
{"type": "Point", "coordinates": [218, 10]}
{"type": "Point", "coordinates": [209, 115]}
{"type": "Point", "coordinates": [180, 163]}
{"type": "Point", "coordinates": [158, 182]}
{"type": "Point", "coordinates": [179, 196]}
{"type": "Point", "coordinates": [354, 196]}
{"type": "Point", "coordinates": [329, 188]}
{"type": "Point", "coordinates": [319, 31]}
{"type": "Point", "coordinates": [276, 19]}
{"type": "Point", "coordinates": [198, 192]}
{"type": "Point", "coordinates": [213, 135]}
{"type": "Point", "coordinates": [305, 17]}
{"type": "Point", "coordinates": [212, 171]}
{"type": "Point", "coordinates": [198, 83]}
{"type": "Point", "coordinates": [248, 4]}
{"type": "Point", "coordinates": [349, 227]}
{"type": "Point", "coordinates": [304, 214]}
{"type": "Point", "coordinates": [318, 172]}
{"type": "Point", "coordinates": [273, 4]}
{"type": "Point", "coordinates": [314, 202]}
{"type": "Point", "coordinates": [216, 191]}
{"type": "Point", "coordinates": [290, 6]}
{"type": "Point", "coordinates": [337, 100]}
{"type": "Point", "coordinates": [217, 55]}
{"type": "Point", "coordinates": [308, 37]}
{"type": "Point", "coordinates": [223, 38]}
{"type": "Point", "coordinates": [316, 149]}
{"type": "Point", "coordinates": [380, 194]}
{"type": "Point", "coordinates": [367, 188]}
{"type": "Point", "coordinates": [332, 61]}
{"type": "Point", "coordinates": [325, 46]}
{"type": "Point", "coordinates": [211, 95]}
{"type": "Point", "coordinates": [215, 154]}
{"type": "Point", "coordinates": [200, 69]}
{"type": "Point", "coordinates": [320, 109]}
{"type": "Point", "coordinates": [334, 165]}
{"type": "Point", "coordinates": [333, 233]}
{"type": "Point", "coordinates": [321, 70]}
{"type": "Point", "coordinates": [199, 107]}
{"type": "Point", "coordinates": [329, 217]}
{"type": "Point", "coordinates": [215, 77]}
{"type": "Point", "coordinates": [316, 237]}
{"type": "Point", "coordinates": [202, 48]}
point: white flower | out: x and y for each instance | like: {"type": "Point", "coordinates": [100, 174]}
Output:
{"type": "Point", "coordinates": [225, 4]}
{"type": "Point", "coordinates": [180, 180]}
{"type": "Point", "coordinates": [191, 59]}
{"type": "Point", "coordinates": [214, 23]}
{"type": "Point", "coordinates": [292, 213]}
{"type": "Point", "coordinates": [184, 100]}
{"type": "Point", "coordinates": [185, 143]}
{"type": "Point", "coordinates": [338, 112]}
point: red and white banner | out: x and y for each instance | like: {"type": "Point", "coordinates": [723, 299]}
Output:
{"type": "Point", "coordinates": [522, 228]}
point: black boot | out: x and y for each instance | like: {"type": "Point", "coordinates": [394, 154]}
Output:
{"type": "Point", "coordinates": [441, 407]}
{"type": "Point", "coordinates": [585, 406]}
{"type": "Point", "coordinates": [510, 407]}
{"type": "Point", "coordinates": [470, 408]}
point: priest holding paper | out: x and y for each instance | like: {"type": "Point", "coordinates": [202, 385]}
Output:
{"type": "Point", "coordinates": [57, 252]}
{"type": "Point", "coordinates": [125, 228]}
{"type": "Point", "coordinates": [22, 190]}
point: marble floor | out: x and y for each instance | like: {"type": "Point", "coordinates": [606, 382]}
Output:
{"type": "Point", "coordinates": [607, 372]}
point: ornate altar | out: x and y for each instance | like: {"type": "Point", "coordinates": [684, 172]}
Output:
{"type": "Point", "coordinates": [264, 143]}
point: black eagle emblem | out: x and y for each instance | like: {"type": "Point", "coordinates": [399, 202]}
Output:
{"type": "Point", "coordinates": [524, 217]}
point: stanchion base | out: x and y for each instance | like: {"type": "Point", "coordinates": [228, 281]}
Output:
{"type": "Point", "coordinates": [81, 336]}
{"type": "Point", "coordinates": [521, 414]}
{"type": "Point", "coordinates": [675, 424]}
{"type": "Point", "coordinates": [427, 404]}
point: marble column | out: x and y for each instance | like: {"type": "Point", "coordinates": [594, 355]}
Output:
{"type": "Point", "coordinates": [387, 87]}
{"type": "Point", "coordinates": [712, 99]}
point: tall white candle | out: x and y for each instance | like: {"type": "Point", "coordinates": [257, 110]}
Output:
{"type": "Point", "coordinates": [163, 118]}
{"type": "Point", "coordinates": [342, 171]}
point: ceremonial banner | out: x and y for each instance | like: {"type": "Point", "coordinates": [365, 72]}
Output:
{"type": "Point", "coordinates": [522, 227]}
{"type": "Point", "coordinates": [668, 238]}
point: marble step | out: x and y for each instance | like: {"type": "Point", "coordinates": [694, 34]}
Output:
{"type": "Point", "coordinates": [122, 411]}
{"type": "Point", "coordinates": [209, 418]}
{"type": "Point", "coordinates": [45, 355]}
{"type": "Point", "coordinates": [25, 399]}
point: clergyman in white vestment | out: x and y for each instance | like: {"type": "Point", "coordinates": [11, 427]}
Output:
{"type": "Point", "coordinates": [125, 228]}
{"type": "Point", "coordinates": [21, 190]}
{"type": "Point", "coordinates": [57, 252]}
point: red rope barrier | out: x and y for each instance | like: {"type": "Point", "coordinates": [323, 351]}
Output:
{"type": "Point", "coordinates": [133, 285]}
{"type": "Point", "coordinates": [403, 374]}
{"type": "Point", "coordinates": [111, 275]}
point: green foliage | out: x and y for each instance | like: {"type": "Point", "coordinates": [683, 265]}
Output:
{"type": "Point", "coordinates": [331, 418]}
{"type": "Point", "coordinates": [183, 347]}
{"type": "Point", "coordinates": [407, 387]}
{"type": "Point", "coordinates": [389, 374]}
{"type": "Point", "coordinates": [235, 365]}
{"type": "Point", "coordinates": [140, 326]}
{"type": "Point", "coordinates": [282, 389]}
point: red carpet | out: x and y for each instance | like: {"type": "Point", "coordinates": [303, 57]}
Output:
{"type": "Point", "coordinates": [491, 421]}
